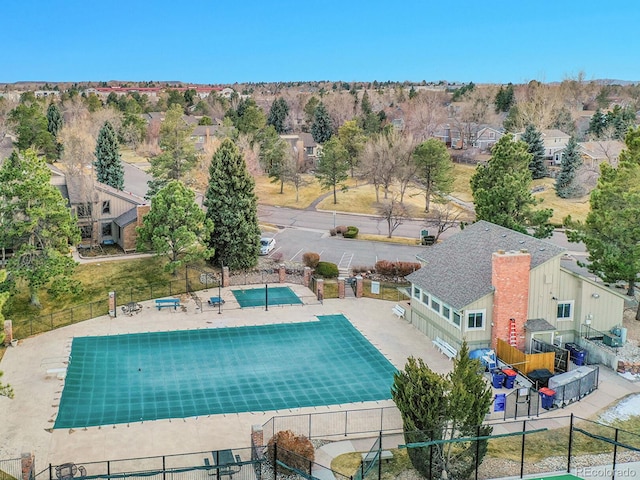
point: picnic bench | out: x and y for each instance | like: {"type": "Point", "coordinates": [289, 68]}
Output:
{"type": "Point", "coordinates": [215, 301]}
{"type": "Point", "coordinates": [399, 311]}
{"type": "Point", "coordinates": [445, 348]}
{"type": "Point", "coordinates": [168, 302]}
{"type": "Point", "coordinates": [385, 455]}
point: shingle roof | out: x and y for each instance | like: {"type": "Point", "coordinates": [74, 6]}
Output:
{"type": "Point", "coordinates": [127, 217]}
{"type": "Point", "coordinates": [458, 270]}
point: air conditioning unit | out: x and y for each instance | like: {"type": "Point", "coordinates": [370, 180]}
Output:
{"type": "Point", "coordinates": [611, 340]}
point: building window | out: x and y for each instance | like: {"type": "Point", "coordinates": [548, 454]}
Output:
{"type": "Point", "coordinates": [106, 207]}
{"type": "Point", "coordinates": [84, 210]}
{"type": "Point", "coordinates": [435, 305]}
{"type": "Point", "coordinates": [565, 310]}
{"type": "Point", "coordinates": [106, 229]}
{"type": "Point", "coordinates": [456, 319]}
{"type": "Point", "coordinates": [446, 312]}
{"type": "Point", "coordinates": [475, 320]}
{"type": "Point", "coordinates": [85, 231]}
{"type": "Point", "coordinates": [425, 298]}
{"type": "Point", "coordinates": [308, 150]}
{"type": "Point", "coordinates": [416, 292]}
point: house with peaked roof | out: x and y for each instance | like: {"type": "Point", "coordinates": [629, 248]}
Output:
{"type": "Point", "coordinates": [487, 137]}
{"type": "Point", "coordinates": [106, 216]}
{"type": "Point", "coordinates": [596, 152]}
{"type": "Point", "coordinates": [488, 282]}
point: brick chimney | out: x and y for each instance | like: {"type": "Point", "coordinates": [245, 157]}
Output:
{"type": "Point", "coordinates": [510, 279]}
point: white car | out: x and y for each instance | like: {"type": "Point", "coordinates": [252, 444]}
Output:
{"type": "Point", "coordinates": [266, 245]}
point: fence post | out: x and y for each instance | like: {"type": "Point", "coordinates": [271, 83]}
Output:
{"type": "Point", "coordinates": [346, 422]}
{"type": "Point", "coordinates": [524, 430]}
{"type": "Point", "coordinates": [477, 451]}
{"type": "Point", "coordinates": [164, 468]}
{"type": "Point", "coordinates": [50, 472]}
{"type": "Point", "coordinates": [275, 460]}
{"type": "Point", "coordinates": [615, 454]}
{"type": "Point", "coordinates": [570, 444]}
{"type": "Point", "coordinates": [380, 455]}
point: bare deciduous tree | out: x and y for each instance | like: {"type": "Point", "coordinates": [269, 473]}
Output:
{"type": "Point", "coordinates": [426, 113]}
{"type": "Point", "coordinates": [79, 146]}
{"type": "Point", "coordinates": [394, 213]}
{"type": "Point", "coordinates": [378, 165]}
{"type": "Point", "coordinates": [443, 216]}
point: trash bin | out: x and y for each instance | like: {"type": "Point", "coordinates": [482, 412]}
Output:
{"type": "Point", "coordinates": [497, 378]}
{"type": "Point", "coordinates": [547, 396]}
{"type": "Point", "coordinates": [499, 402]}
{"type": "Point", "coordinates": [510, 377]}
{"type": "Point", "coordinates": [577, 354]}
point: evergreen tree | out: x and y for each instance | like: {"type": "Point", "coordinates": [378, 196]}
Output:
{"type": "Point", "coordinates": [434, 169]}
{"type": "Point", "coordinates": [333, 166]}
{"type": "Point", "coordinates": [321, 129]}
{"type": "Point", "coordinates": [597, 124]}
{"type": "Point", "coordinates": [533, 138]}
{"type": "Point", "coordinates": [31, 128]}
{"type": "Point", "coordinates": [611, 231]}
{"type": "Point", "coordinates": [439, 407]}
{"type": "Point", "coordinates": [571, 161]}
{"type": "Point", "coordinates": [352, 138]}
{"type": "Point", "coordinates": [5, 389]}
{"type": "Point", "coordinates": [278, 114]}
{"type": "Point", "coordinates": [502, 190]}
{"type": "Point", "coordinates": [54, 120]}
{"type": "Point", "coordinates": [176, 227]}
{"type": "Point", "coordinates": [232, 206]}
{"type": "Point", "coordinates": [273, 152]}
{"type": "Point", "coordinates": [505, 98]}
{"type": "Point", "coordinates": [178, 155]}
{"type": "Point", "coordinates": [36, 222]}
{"type": "Point", "coordinates": [412, 93]}
{"type": "Point", "coordinates": [109, 169]}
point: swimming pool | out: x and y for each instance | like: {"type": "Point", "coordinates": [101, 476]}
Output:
{"type": "Point", "coordinates": [178, 374]}
{"type": "Point", "coordinates": [257, 297]}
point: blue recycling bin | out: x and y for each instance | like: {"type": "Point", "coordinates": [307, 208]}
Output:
{"type": "Point", "coordinates": [499, 402]}
{"type": "Point", "coordinates": [547, 396]}
{"type": "Point", "coordinates": [510, 377]}
{"type": "Point", "coordinates": [576, 353]}
{"type": "Point", "coordinates": [497, 378]}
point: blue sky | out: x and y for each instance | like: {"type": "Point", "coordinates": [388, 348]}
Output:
{"type": "Point", "coordinates": [209, 41]}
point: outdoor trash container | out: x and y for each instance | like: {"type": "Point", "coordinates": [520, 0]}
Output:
{"type": "Point", "coordinates": [510, 377]}
{"type": "Point", "coordinates": [497, 379]}
{"type": "Point", "coordinates": [546, 397]}
{"type": "Point", "coordinates": [576, 353]}
{"type": "Point", "coordinates": [499, 402]}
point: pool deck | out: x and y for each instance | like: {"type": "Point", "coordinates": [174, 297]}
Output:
{"type": "Point", "coordinates": [27, 420]}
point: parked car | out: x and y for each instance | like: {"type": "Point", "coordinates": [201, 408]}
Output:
{"type": "Point", "coordinates": [266, 245]}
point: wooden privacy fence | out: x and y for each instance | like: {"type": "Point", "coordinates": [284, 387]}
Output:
{"type": "Point", "coordinates": [525, 362]}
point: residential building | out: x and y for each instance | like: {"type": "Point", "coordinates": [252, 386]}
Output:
{"type": "Point", "coordinates": [305, 147]}
{"type": "Point", "coordinates": [487, 137]}
{"type": "Point", "coordinates": [488, 282]}
{"type": "Point", "coordinates": [106, 216]}
{"type": "Point", "coordinates": [595, 152]}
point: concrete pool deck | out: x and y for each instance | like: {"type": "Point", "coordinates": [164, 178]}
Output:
{"type": "Point", "coordinates": [26, 421]}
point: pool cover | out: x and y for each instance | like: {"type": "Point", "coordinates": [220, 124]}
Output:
{"type": "Point", "coordinates": [149, 376]}
{"type": "Point", "coordinates": [255, 297]}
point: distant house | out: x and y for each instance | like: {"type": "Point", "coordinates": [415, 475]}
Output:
{"type": "Point", "coordinates": [488, 282]}
{"type": "Point", "coordinates": [487, 137]}
{"type": "Point", "coordinates": [202, 135]}
{"type": "Point", "coordinates": [305, 147]}
{"type": "Point", "coordinates": [105, 215]}
{"type": "Point", "coordinates": [555, 141]}
{"type": "Point", "coordinates": [594, 153]}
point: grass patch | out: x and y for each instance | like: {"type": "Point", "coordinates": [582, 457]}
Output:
{"type": "Point", "coordinates": [269, 193]}
{"type": "Point", "coordinates": [385, 239]}
{"type": "Point", "coordinates": [348, 464]}
{"type": "Point", "coordinates": [462, 181]}
{"type": "Point", "coordinates": [578, 208]}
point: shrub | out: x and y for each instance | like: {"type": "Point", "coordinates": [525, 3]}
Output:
{"type": "Point", "coordinates": [310, 259]}
{"type": "Point", "coordinates": [333, 232]}
{"type": "Point", "coordinates": [277, 257]}
{"type": "Point", "coordinates": [327, 269]}
{"type": "Point", "coordinates": [340, 229]}
{"type": "Point", "coordinates": [362, 269]}
{"type": "Point", "coordinates": [293, 450]}
{"type": "Point", "coordinates": [351, 232]}
{"type": "Point", "coordinates": [396, 269]}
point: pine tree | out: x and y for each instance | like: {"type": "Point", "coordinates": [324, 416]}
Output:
{"type": "Point", "coordinates": [54, 120]}
{"type": "Point", "coordinates": [597, 124]}
{"type": "Point", "coordinates": [533, 138]}
{"type": "Point", "coordinates": [571, 161]}
{"type": "Point", "coordinates": [333, 166]}
{"type": "Point", "coordinates": [321, 129]}
{"type": "Point", "coordinates": [109, 169]}
{"type": "Point", "coordinates": [502, 190]}
{"type": "Point", "coordinates": [232, 205]}
{"type": "Point", "coordinates": [439, 407]}
{"type": "Point", "coordinates": [278, 114]}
